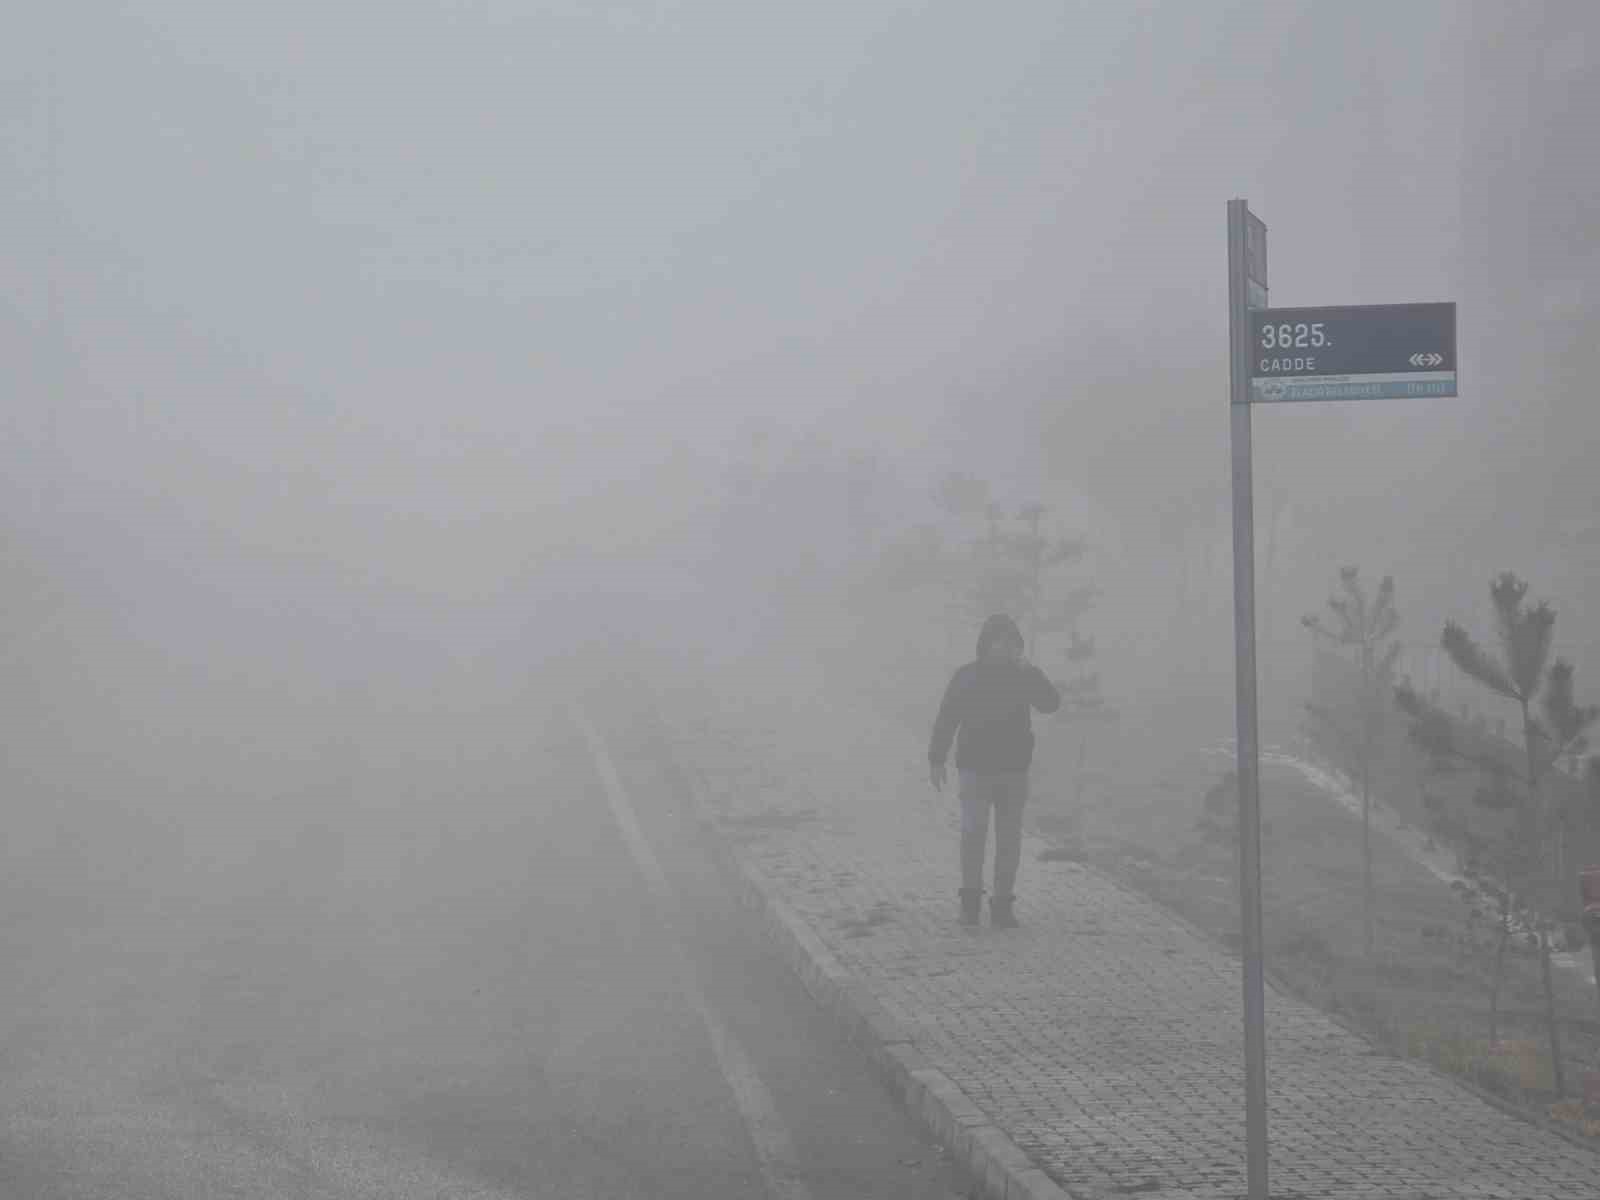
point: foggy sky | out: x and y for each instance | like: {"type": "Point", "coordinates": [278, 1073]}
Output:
{"type": "Point", "coordinates": [408, 293]}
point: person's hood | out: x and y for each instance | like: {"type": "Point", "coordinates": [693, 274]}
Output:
{"type": "Point", "coordinates": [998, 626]}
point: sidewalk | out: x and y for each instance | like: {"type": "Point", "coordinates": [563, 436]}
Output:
{"type": "Point", "coordinates": [1103, 1038]}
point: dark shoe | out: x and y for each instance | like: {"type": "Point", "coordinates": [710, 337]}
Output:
{"type": "Point", "coordinates": [1000, 914]}
{"type": "Point", "coordinates": [971, 905]}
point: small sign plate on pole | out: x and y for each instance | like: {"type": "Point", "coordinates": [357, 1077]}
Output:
{"type": "Point", "coordinates": [1355, 352]}
{"type": "Point", "coordinates": [1255, 260]}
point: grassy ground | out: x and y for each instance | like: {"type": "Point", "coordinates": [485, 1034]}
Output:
{"type": "Point", "coordinates": [1416, 995]}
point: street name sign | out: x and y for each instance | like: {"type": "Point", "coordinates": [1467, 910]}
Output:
{"type": "Point", "coordinates": [1370, 352]}
{"type": "Point", "coordinates": [1355, 352]}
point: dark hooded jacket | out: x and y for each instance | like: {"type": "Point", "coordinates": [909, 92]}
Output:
{"type": "Point", "coordinates": [987, 709]}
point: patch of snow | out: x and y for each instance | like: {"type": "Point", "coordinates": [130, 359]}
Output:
{"type": "Point", "coordinates": [1412, 842]}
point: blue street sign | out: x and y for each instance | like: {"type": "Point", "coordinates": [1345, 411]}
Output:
{"type": "Point", "coordinates": [1355, 352]}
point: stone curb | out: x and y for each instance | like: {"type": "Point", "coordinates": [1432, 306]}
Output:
{"type": "Point", "coordinates": [990, 1160]}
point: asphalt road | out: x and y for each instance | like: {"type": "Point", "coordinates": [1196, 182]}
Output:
{"type": "Point", "coordinates": [464, 981]}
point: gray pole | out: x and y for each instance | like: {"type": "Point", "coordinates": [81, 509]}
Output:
{"type": "Point", "coordinates": [1244, 641]}
{"type": "Point", "coordinates": [50, 458]}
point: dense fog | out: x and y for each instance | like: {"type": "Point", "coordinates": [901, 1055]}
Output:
{"type": "Point", "coordinates": [367, 362]}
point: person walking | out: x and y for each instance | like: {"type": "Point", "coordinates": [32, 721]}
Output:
{"type": "Point", "coordinates": [987, 712]}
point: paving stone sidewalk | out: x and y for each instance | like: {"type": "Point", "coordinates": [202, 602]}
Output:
{"type": "Point", "coordinates": [1104, 1036]}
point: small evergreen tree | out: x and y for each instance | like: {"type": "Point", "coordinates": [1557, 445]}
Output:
{"type": "Point", "coordinates": [1083, 703]}
{"type": "Point", "coordinates": [1037, 557]}
{"type": "Point", "coordinates": [1361, 626]}
{"type": "Point", "coordinates": [1590, 814]}
{"type": "Point", "coordinates": [1014, 565]}
{"type": "Point", "coordinates": [1522, 672]}
{"type": "Point", "coordinates": [1006, 568]}
{"type": "Point", "coordinates": [1492, 862]}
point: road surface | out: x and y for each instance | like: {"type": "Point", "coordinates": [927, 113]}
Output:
{"type": "Point", "coordinates": [466, 979]}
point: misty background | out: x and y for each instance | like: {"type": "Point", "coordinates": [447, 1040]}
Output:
{"type": "Point", "coordinates": [364, 357]}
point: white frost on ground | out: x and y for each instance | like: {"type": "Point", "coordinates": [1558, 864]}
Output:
{"type": "Point", "coordinates": [1412, 842]}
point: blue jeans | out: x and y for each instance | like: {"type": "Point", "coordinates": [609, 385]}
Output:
{"type": "Point", "coordinates": [1006, 792]}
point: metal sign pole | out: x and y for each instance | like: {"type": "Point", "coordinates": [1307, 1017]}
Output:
{"type": "Point", "coordinates": [1244, 641]}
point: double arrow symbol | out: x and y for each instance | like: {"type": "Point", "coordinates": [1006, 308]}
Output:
{"type": "Point", "coordinates": [1426, 360]}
